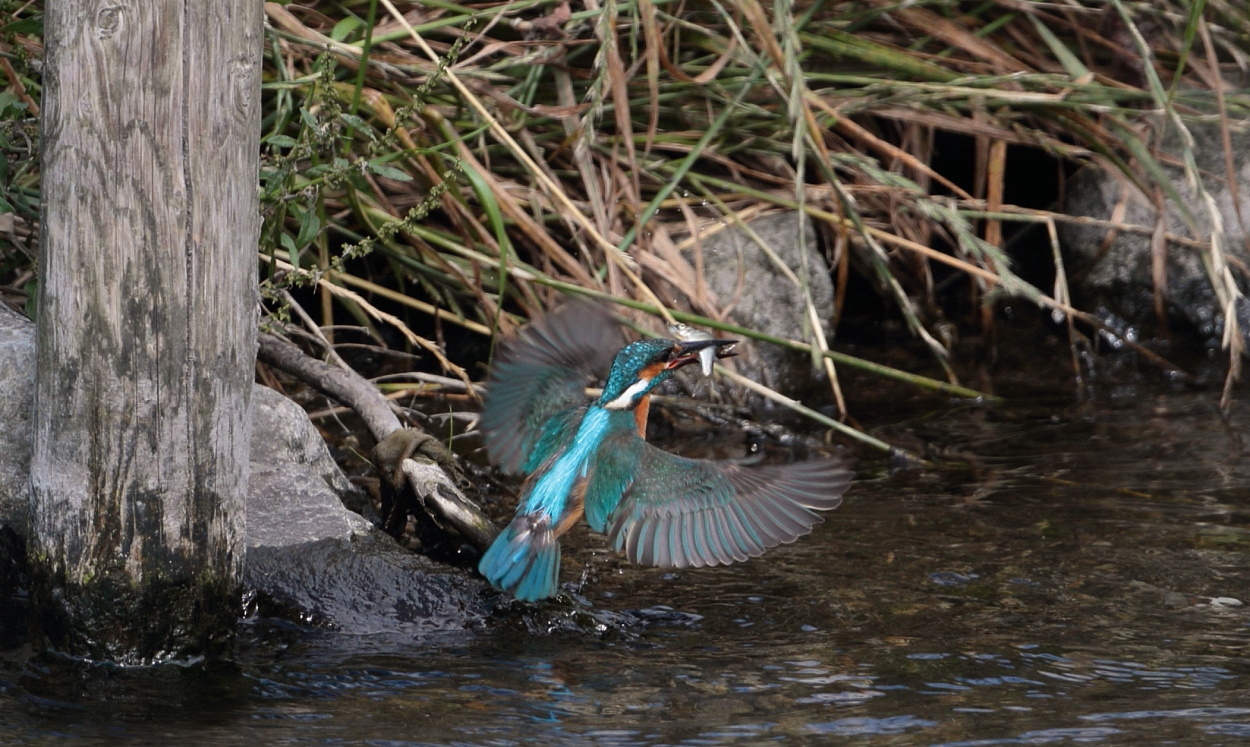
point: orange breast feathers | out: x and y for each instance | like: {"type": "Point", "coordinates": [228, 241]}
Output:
{"type": "Point", "coordinates": [644, 404]}
{"type": "Point", "coordinates": [640, 414]}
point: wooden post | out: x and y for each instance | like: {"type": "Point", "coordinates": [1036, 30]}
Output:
{"type": "Point", "coordinates": [147, 326]}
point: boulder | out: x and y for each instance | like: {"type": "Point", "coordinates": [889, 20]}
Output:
{"type": "Point", "coordinates": [1117, 280]}
{"type": "Point", "coordinates": [760, 295]}
{"type": "Point", "coordinates": [296, 491]}
{"type": "Point", "coordinates": [364, 584]}
{"type": "Point", "coordinates": [17, 392]}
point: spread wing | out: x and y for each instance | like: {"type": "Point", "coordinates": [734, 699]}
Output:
{"type": "Point", "coordinates": [675, 512]}
{"type": "Point", "coordinates": [537, 384]}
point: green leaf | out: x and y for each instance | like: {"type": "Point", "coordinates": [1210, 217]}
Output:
{"type": "Point", "coordinates": [390, 172]}
{"type": "Point", "coordinates": [282, 141]}
{"type": "Point", "coordinates": [10, 104]}
{"type": "Point", "coordinates": [345, 27]}
{"type": "Point", "coordinates": [309, 227]}
{"type": "Point", "coordinates": [358, 124]}
{"type": "Point", "coordinates": [307, 118]}
{"type": "Point", "coordinates": [32, 25]}
{"type": "Point", "coordinates": [1071, 63]}
{"type": "Point", "coordinates": [494, 214]}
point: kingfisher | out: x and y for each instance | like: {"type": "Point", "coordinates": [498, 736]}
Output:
{"type": "Point", "coordinates": [582, 457]}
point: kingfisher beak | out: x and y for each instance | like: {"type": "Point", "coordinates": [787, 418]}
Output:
{"type": "Point", "coordinates": [689, 351]}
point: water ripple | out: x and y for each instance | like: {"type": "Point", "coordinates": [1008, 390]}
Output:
{"type": "Point", "coordinates": [1043, 736]}
{"type": "Point", "coordinates": [863, 726]}
{"type": "Point", "coordinates": [1201, 712]}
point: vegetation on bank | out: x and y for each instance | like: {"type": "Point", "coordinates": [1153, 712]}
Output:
{"type": "Point", "coordinates": [436, 165]}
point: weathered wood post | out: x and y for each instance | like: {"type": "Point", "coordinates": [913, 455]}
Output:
{"type": "Point", "coordinates": [146, 328]}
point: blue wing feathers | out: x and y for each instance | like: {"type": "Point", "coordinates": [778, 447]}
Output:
{"type": "Point", "coordinates": [524, 559]}
{"type": "Point", "coordinates": [541, 376]}
{"type": "Point", "coordinates": [681, 513]}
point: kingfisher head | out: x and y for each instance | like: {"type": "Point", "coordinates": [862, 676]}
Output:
{"type": "Point", "coordinates": [643, 365]}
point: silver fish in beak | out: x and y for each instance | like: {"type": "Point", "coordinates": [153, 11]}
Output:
{"type": "Point", "coordinates": [710, 348]}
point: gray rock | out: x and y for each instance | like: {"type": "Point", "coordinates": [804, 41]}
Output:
{"type": "Point", "coordinates": [296, 490]}
{"type": "Point", "coordinates": [312, 559]}
{"type": "Point", "coordinates": [1119, 280]}
{"type": "Point", "coordinates": [759, 295]}
{"type": "Point", "coordinates": [17, 391]}
{"type": "Point", "coordinates": [365, 585]}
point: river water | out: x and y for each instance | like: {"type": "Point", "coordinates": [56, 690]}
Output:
{"type": "Point", "coordinates": [1071, 572]}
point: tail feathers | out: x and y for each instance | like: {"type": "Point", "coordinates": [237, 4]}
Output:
{"type": "Point", "coordinates": [524, 559]}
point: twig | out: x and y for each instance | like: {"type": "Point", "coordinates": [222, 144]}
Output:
{"type": "Point", "coordinates": [412, 454]}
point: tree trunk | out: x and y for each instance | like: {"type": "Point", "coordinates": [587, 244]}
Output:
{"type": "Point", "coordinates": [147, 328]}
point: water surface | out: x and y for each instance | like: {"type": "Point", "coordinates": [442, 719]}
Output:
{"type": "Point", "coordinates": [1073, 573]}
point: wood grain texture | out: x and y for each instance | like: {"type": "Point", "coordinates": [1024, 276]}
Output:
{"type": "Point", "coordinates": [147, 309]}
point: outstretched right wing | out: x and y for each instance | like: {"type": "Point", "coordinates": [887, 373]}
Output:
{"type": "Point", "coordinates": [537, 384]}
{"type": "Point", "coordinates": [664, 510]}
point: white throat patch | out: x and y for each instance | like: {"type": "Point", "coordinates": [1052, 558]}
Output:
{"type": "Point", "coordinates": [627, 397]}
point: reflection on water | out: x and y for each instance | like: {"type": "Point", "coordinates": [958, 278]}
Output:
{"type": "Point", "coordinates": [1078, 576]}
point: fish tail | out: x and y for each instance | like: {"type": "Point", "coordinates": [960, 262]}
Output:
{"type": "Point", "coordinates": [524, 559]}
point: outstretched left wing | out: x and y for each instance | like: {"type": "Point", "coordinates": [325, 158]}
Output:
{"type": "Point", "coordinates": [538, 381]}
{"type": "Point", "coordinates": [680, 513]}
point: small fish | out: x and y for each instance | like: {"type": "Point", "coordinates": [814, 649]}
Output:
{"type": "Point", "coordinates": [707, 356]}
